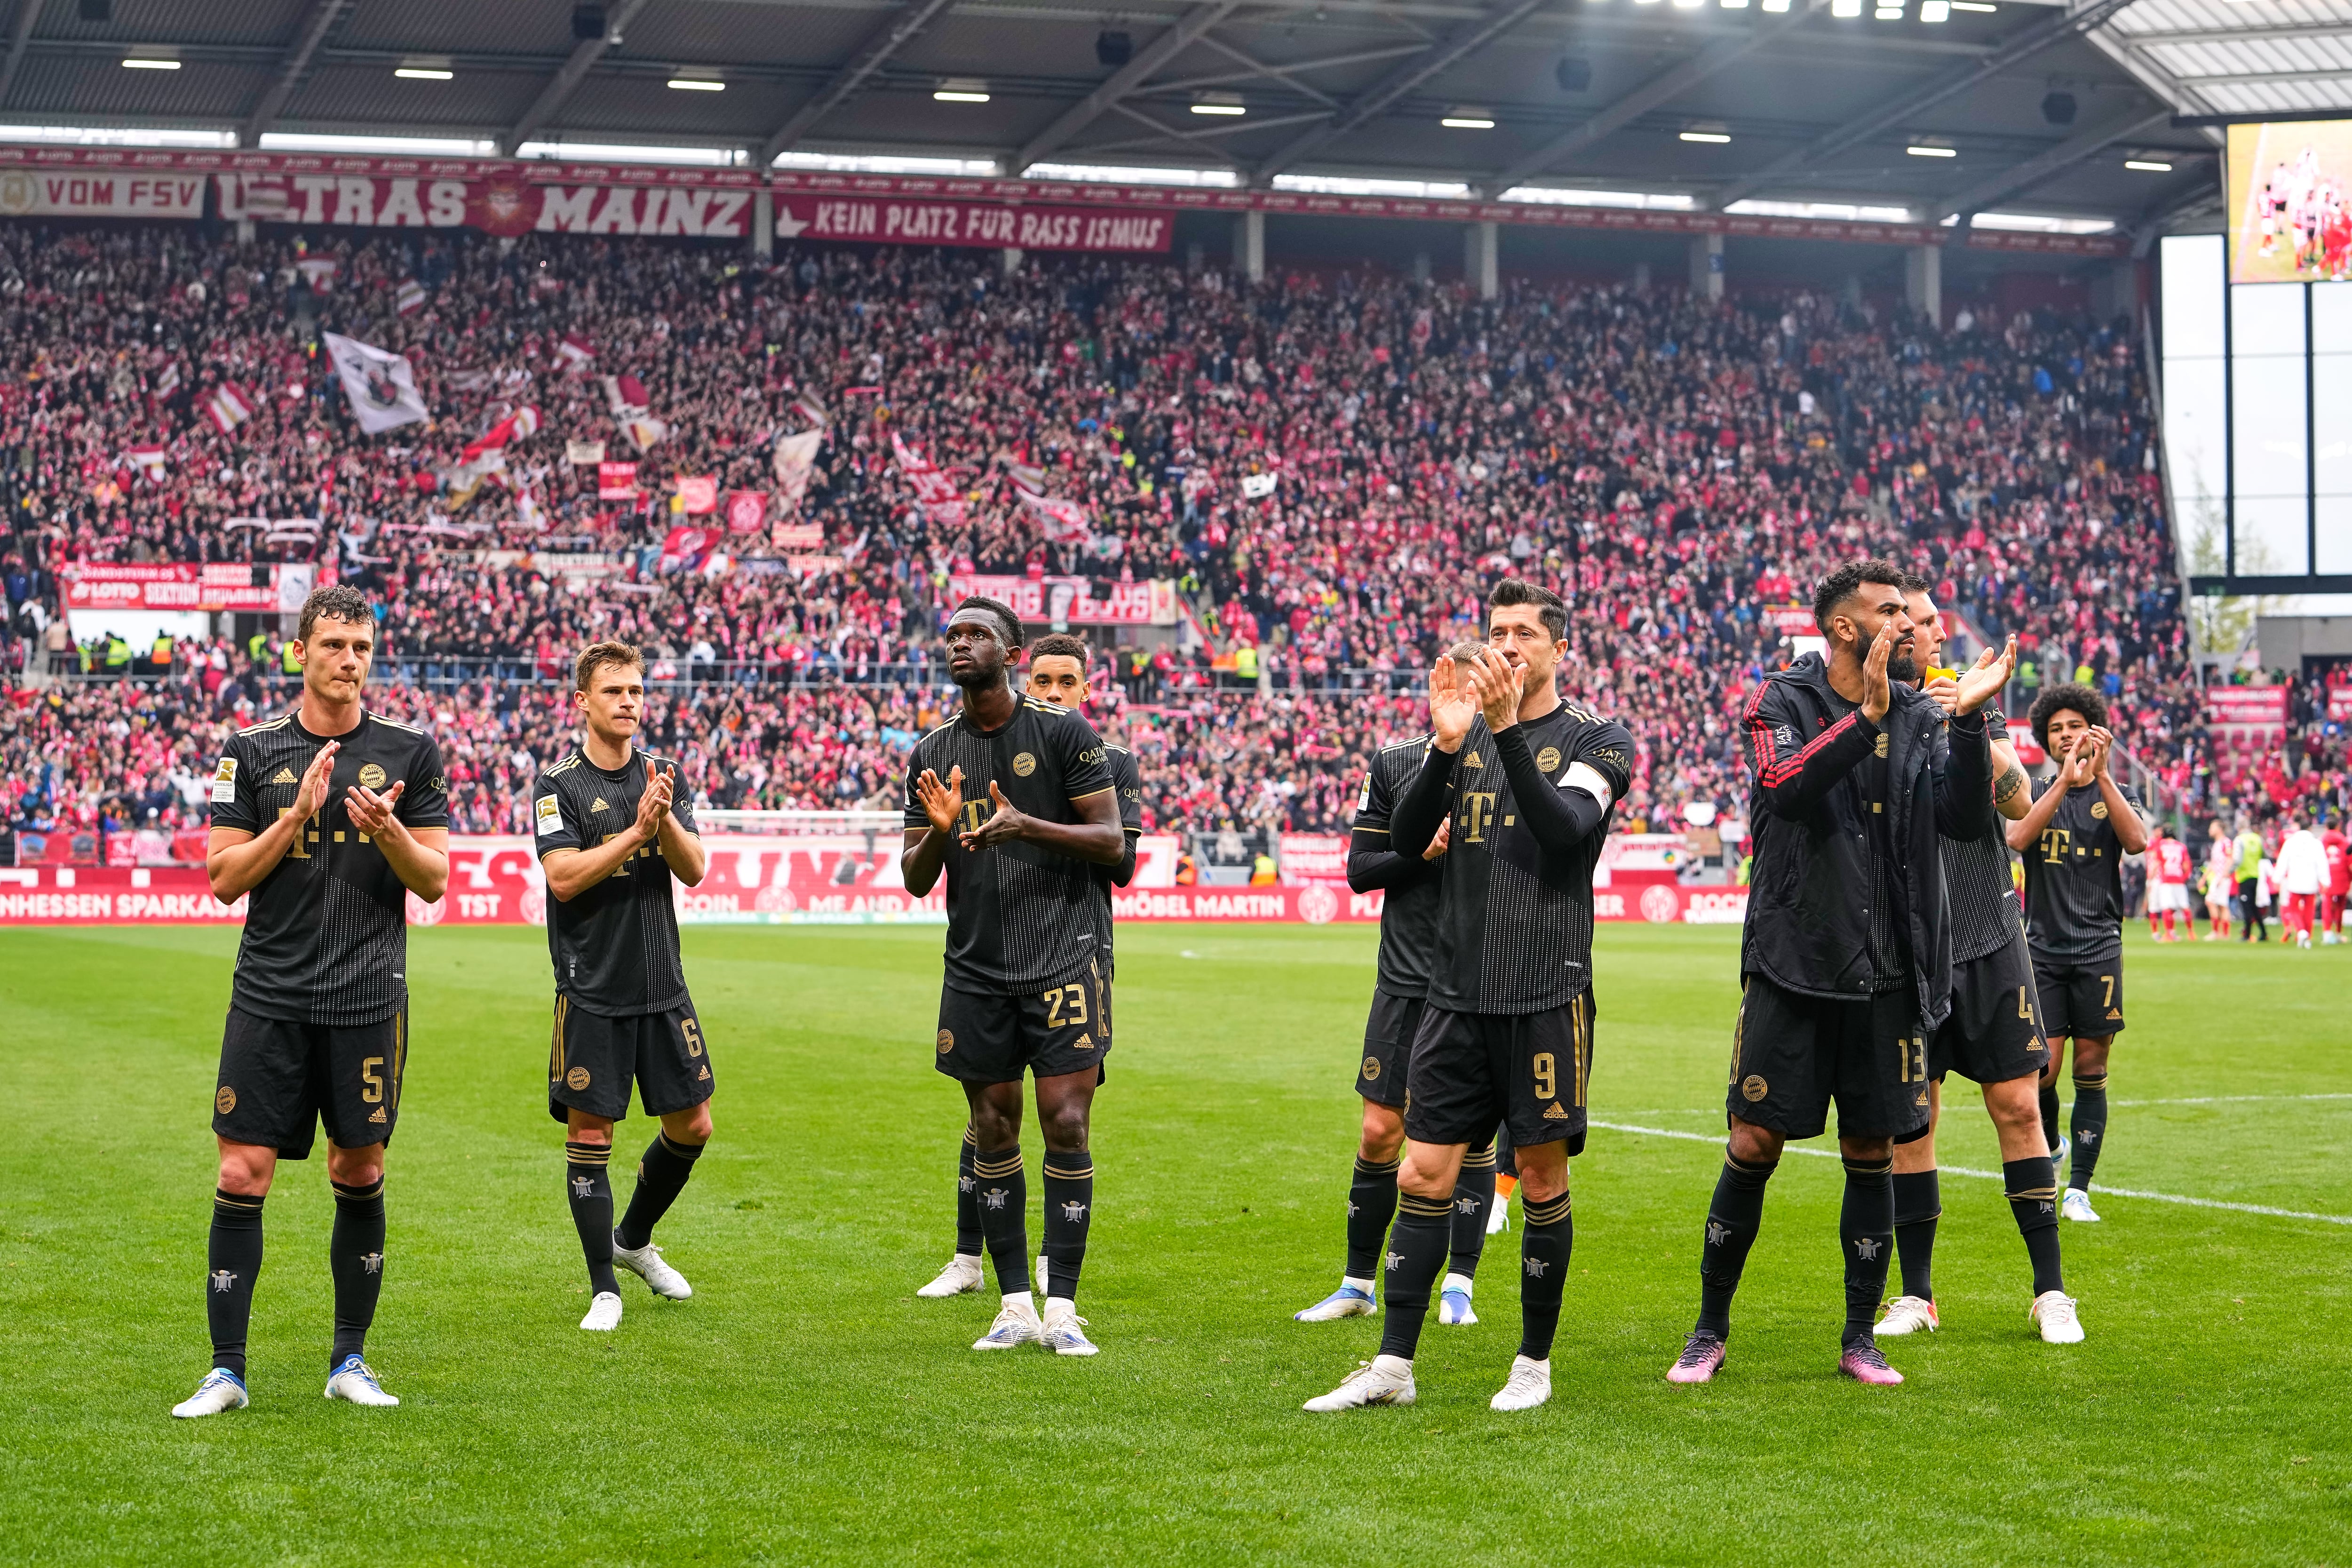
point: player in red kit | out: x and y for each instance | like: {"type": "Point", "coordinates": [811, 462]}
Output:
{"type": "Point", "coordinates": [2167, 889]}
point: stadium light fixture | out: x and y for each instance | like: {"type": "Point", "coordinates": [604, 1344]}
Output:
{"type": "Point", "coordinates": [1917, 151]}
{"type": "Point", "coordinates": [1888, 14]}
{"type": "Point", "coordinates": [1467, 117]}
{"type": "Point", "coordinates": [1776, 5]}
{"type": "Point", "coordinates": [1974, 6]}
{"type": "Point", "coordinates": [1714, 138]}
{"type": "Point", "coordinates": [1224, 103]}
{"type": "Point", "coordinates": [1734, 4]}
{"type": "Point", "coordinates": [961, 89]}
{"type": "Point", "coordinates": [2148, 166]}
{"type": "Point", "coordinates": [1935, 10]}
{"type": "Point", "coordinates": [1846, 9]}
{"type": "Point", "coordinates": [424, 68]}
{"type": "Point", "coordinates": [696, 84]}
{"type": "Point", "coordinates": [148, 63]}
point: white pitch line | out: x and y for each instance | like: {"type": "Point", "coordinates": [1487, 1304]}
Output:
{"type": "Point", "coordinates": [2228, 1099]}
{"type": "Point", "coordinates": [1996, 1175]}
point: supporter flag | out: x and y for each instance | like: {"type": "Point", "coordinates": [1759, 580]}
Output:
{"type": "Point", "coordinates": [1026, 478]}
{"type": "Point", "coordinates": [644, 430]}
{"type": "Point", "coordinates": [1257, 486]}
{"type": "Point", "coordinates": [167, 381]}
{"type": "Point", "coordinates": [625, 395]}
{"type": "Point", "coordinates": [795, 460]}
{"type": "Point", "coordinates": [574, 350]}
{"type": "Point", "coordinates": [319, 272]}
{"type": "Point", "coordinates": [148, 459]}
{"type": "Point", "coordinates": [580, 454]}
{"type": "Point", "coordinates": [228, 407]}
{"type": "Point", "coordinates": [698, 492]}
{"type": "Point", "coordinates": [487, 454]}
{"type": "Point", "coordinates": [380, 387]}
{"type": "Point", "coordinates": [935, 493]}
{"type": "Point", "coordinates": [409, 297]}
{"type": "Point", "coordinates": [796, 536]}
{"type": "Point", "coordinates": [809, 408]}
{"type": "Point", "coordinates": [747, 510]}
{"type": "Point", "coordinates": [1063, 521]}
{"type": "Point", "coordinates": [616, 481]}
{"type": "Point", "coordinates": [685, 548]}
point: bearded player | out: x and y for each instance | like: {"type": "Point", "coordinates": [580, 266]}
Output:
{"type": "Point", "coordinates": [1024, 814]}
{"type": "Point", "coordinates": [329, 817]}
{"type": "Point", "coordinates": [1058, 674]}
{"type": "Point", "coordinates": [1992, 1037]}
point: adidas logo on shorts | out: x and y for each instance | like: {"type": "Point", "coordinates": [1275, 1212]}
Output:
{"type": "Point", "coordinates": [1552, 1112]}
{"type": "Point", "coordinates": [379, 1114]}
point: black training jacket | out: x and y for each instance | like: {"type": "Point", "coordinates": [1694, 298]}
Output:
{"type": "Point", "coordinates": [1810, 879]}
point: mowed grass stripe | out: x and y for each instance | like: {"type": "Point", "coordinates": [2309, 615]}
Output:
{"type": "Point", "coordinates": [805, 1407]}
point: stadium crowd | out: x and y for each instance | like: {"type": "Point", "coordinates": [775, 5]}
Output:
{"type": "Point", "coordinates": [1330, 467]}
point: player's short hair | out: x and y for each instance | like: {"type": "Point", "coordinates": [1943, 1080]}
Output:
{"type": "Point", "coordinates": [2054, 698]}
{"type": "Point", "coordinates": [1846, 582]}
{"type": "Point", "coordinates": [335, 602]}
{"type": "Point", "coordinates": [1914, 583]}
{"type": "Point", "coordinates": [1015, 634]}
{"type": "Point", "coordinates": [1059, 645]}
{"type": "Point", "coordinates": [597, 655]}
{"type": "Point", "coordinates": [1512, 591]}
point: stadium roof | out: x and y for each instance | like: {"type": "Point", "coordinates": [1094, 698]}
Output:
{"type": "Point", "coordinates": [1930, 108]}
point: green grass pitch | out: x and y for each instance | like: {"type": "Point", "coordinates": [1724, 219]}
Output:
{"type": "Point", "coordinates": [805, 1407]}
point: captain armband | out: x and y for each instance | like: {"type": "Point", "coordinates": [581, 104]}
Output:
{"type": "Point", "coordinates": [1588, 778]}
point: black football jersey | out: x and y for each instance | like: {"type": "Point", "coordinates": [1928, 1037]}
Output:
{"type": "Point", "coordinates": [1514, 926]}
{"type": "Point", "coordinates": [1020, 917]}
{"type": "Point", "coordinates": [1125, 778]}
{"type": "Point", "coordinates": [615, 943]}
{"type": "Point", "coordinates": [1409, 905]}
{"type": "Point", "coordinates": [1977, 882]}
{"type": "Point", "coordinates": [326, 933]}
{"type": "Point", "coordinates": [2074, 880]}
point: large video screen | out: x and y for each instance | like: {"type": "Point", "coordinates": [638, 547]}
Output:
{"type": "Point", "coordinates": [2290, 202]}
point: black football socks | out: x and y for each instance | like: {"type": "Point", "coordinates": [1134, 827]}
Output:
{"type": "Point", "coordinates": [1417, 1248]}
{"type": "Point", "coordinates": [661, 1175]}
{"type": "Point", "coordinates": [1917, 1206]}
{"type": "Point", "coordinates": [588, 1188]}
{"type": "Point", "coordinates": [2050, 1115]}
{"type": "Point", "coordinates": [1069, 1210]}
{"type": "Point", "coordinates": [1474, 1198]}
{"type": "Point", "coordinates": [1866, 1235]}
{"type": "Point", "coordinates": [1005, 1216]}
{"type": "Point", "coordinates": [2031, 1187]}
{"type": "Point", "coordinates": [1733, 1216]}
{"type": "Point", "coordinates": [355, 1257]}
{"type": "Point", "coordinates": [2090, 1129]}
{"type": "Point", "coordinates": [967, 1242]}
{"type": "Point", "coordinates": [1371, 1204]}
{"type": "Point", "coordinates": [232, 1261]}
{"type": "Point", "coordinates": [1547, 1234]}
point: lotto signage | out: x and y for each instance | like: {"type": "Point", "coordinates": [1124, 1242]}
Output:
{"type": "Point", "coordinates": [185, 586]}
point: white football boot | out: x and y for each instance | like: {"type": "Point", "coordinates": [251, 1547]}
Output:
{"type": "Point", "coordinates": [1064, 1331]}
{"type": "Point", "coordinates": [221, 1390]}
{"type": "Point", "coordinates": [1529, 1386]}
{"type": "Point", "coordinates": [2054, 1312]}
{"type": "Point", "coordinates": [961, 1274]}
{"type": "Point", "coordinates": [646, 1263]}
{"type": "Point", "coordinates": [1907, 1315]}
{"type": "Point", "coordinates": [1016, 1324]}
{"type": "Point", "coordinates": [1453, 1302]}
{"type": "Point", "coordinates": [355, 1381]}
{"type": "Point", "coordinates": [603, 1313]}
{"type": "Point", "coordinates": [1353, 1299]}
{"type": "Point", "coordinates": [1384, 1380]}
{"type": "Point", "coordinates": [2076, 1204]}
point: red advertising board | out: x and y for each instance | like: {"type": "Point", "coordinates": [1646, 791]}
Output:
{"type": "Point", "coordinates": [2245, 705]}
{"type": "Point", "coordinates": [183, 585]}
{"type": "Point", "coordinates": [1071, 600]}
{"type": "Point", "coordinates": [1312, 856]}
{"type": "Point", "coordinates": [2339, 703]}
{"type": "Point", "coordinates": [751, 882]}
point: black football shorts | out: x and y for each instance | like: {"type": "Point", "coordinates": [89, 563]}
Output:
{"type": "Point", "coordinates": [1793, 1054]}
{"type": "Point", "coordinates": [592, 1059]}
{"type": "Point", "coordinates": [1994, 1034]}
{"type": "Point", "coordinates": [2080, 1001]}
{"type": "Point", "coordinates": [1382, 1075]}
{"type": "Point", "coordinates": [279, 1079]}
{"type": "Point", "coordinates": [1062, 1030]}
{"type": "Point", "coordinates": [1525, 1070]}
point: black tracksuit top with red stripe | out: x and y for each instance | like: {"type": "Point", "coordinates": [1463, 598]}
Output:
{"type": "Point", "coordinates": [1811, 881]}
